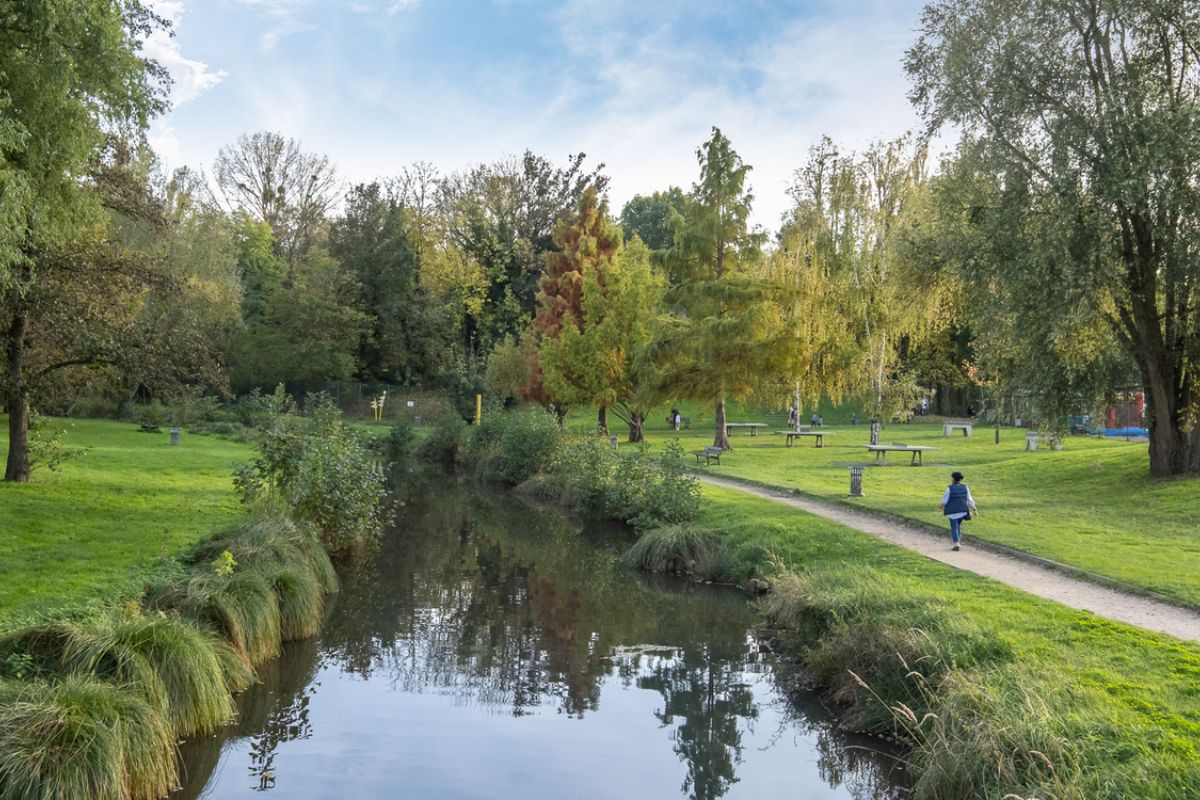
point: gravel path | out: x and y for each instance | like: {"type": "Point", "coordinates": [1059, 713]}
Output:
{"type": "Point", "coordinates": [1144, 612]}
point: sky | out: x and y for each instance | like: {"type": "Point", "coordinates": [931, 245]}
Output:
{"type": "Point", "coordinates": [635, 84]}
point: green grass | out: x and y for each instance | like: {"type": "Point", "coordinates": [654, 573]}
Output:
{"type": "Point", "coordinates": [1091, 505]}
{"type": "Point", "coordinates": [1117, 707]}
{"type": "Point", "coordinates": [91, 531]}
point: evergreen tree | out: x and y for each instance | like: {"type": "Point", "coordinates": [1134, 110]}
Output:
{"type": "Point", "coordinates": [713, 347]}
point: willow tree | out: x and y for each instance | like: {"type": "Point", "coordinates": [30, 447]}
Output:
{"type": "Point", "coordinates": [713, 348]}
{"type": "Point", "coordinates": [859, 297]}
{"type": "Point", "coordinates": [1088, 111]}
{"type": "Point", "coordinates": [70, 72]}
{"type": "Point", "coordinates": [586, 247]}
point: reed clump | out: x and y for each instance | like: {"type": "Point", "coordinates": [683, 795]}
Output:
{"type": "Point", "coordinates": [79, 737]}
{"type": "Point", "coordinates": [91, 706]}
{"type": "Point", "coordinates": [679, 550]}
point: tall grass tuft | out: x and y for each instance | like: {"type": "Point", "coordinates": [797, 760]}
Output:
{"type": "Point", "coordinates": [174, 657]}
{"type": "Point", "coordinates": [301, 602]}
{"type": "Point", "coordinates": [83, 739]}
{"type": "Point", "coordinates": [865, 635]}
{"type": "Point", "coordinates": [678, 550]}
{"type": "Point", "coordinates": [993, 735]}
{"type": "Point", "coordinates": [242, 606]}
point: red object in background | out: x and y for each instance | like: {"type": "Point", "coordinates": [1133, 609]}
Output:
{"type": "Point", "coordinates": [1128, 413]}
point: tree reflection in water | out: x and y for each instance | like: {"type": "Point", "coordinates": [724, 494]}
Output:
{"type": "Point", "coordinates": [505, 606]}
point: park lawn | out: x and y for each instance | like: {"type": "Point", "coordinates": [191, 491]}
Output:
{"type": "Point", "coordinates": [92, 530]}
{"type": "Point", "coordinates": [1137, 689]}
{"type": "Point", "coordinates": [1091, 505]}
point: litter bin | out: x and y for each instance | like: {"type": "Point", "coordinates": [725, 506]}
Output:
{"type": "Point", "coordinates": [1031, 440]}
{"type": "Point", "coordinates": [612, 441]}
{"type": "Point", "coordinates": [175, 435]}
{"type": "Point", "coordinates": [856, 474]}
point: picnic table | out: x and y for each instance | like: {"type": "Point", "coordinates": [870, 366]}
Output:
{"type": "Point", "coordinates": [819, 436]}
{"type": "Point", "coordinates": [752, 426]}
{"type": "Point", "coordinates": [951, 425]}
{"type": "Point", "coordinates": [881, 451]}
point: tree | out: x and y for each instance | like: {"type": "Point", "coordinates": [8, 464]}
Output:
{"type": "Point", "coordinates": [608, 360]}
{"type": "Point", "coordinates": [712, 348]}
{"type": "Point", "coordinates": [274, 181]}
{"type": "Point", "coordinates": [501, 217]}
{"type": "Point", "coordinates": [69, 71]}
{"type": "Point", "coordinates": [309, 331]}
{"type": "Point", "coordinates": [649, 217]}
{"type": "Point", "coordinates": [586, 251]}
{"type": "Point", "coordinates": [855, 216]}
{"type": "Point", "coordinates": [1085, 112]}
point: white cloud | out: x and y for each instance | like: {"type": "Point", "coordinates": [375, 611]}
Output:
{"type": "Point", "coordinates": [401, 5]}
{"type": "Point", "coordinates": [192, 78]}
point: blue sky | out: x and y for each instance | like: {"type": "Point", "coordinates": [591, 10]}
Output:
{"type": "Point", "coordinates": [637, 84]}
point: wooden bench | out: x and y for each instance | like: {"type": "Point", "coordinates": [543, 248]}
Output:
{"type": "Point", "coordinates": [951, 425]}
{"type": "Point", "coordinates": [881, 451]}
{"type": "Point", "coordinates": [752, 426]}
{"type": "Point", "coordinates": [819, 436]}
{"type": "Point", "coordinates": [709, 454]}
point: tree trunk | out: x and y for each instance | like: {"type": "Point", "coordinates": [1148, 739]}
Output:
{"type": "Point", "coordinates": [796, 406]}
{"type": "Point", "coordinates": [602, 420]}
{"type": "Point", "coordinates": [17, 469]}
{"type": "Point", "coordinates": [721, 439]}
{"type": "Point", "coordinates": [637, 427]}
{"type": "Point", "coordinates": [1173, 449]}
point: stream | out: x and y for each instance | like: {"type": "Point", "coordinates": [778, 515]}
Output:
{"type": "Point", "coordinates": [490, 648]}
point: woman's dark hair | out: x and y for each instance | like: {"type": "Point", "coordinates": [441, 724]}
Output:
{"type": "Point", "coordinates": [956, 476]}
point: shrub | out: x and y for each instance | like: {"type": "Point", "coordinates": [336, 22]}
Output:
{"type": "Point", "coordinates": [584, 474]}
{"type": "Point", "coordinates": [324, 472]}
{"type": "Point", "coordinates": [242, 607]}
{"type": "Point", "coordinates": [650, 492]}
{"type": "Point", "coordinates": [82, 738]}
{"type": "Point", "coordinates": [443, 441]}
{"type": "Point", "coordinates": [400, 442]}
{"type": "Point", "coordinates": [529, 442]}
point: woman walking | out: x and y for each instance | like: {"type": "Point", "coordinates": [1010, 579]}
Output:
{"type": "Point", "coordinates": [957, 504]}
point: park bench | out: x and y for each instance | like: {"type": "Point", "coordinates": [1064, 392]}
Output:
{"type": "Point", "coordinates": [751, 426]}
{"type": "Point", "coordinates": [818, 436]}
{"type": "Point", "coordinates": [881, 451]}
{"type": "Point", "coordinates": [709, 454]}
{"type": "Point", "coordinates": [951, 425]}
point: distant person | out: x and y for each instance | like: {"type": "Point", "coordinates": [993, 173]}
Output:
{"type": "Point", "coordinates": [820, 421]}
{"type": "Point", "coordinates": [793, 417]}
{"type": "Point", "coordinates": [675, 418]}
{"type": "Point", "coordinates": [853, 418]}
{"type": "Point", "coordinates": [815, 419]}
{"type": "Point", "coordinates": [957, 505]}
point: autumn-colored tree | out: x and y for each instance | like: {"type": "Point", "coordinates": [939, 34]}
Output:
{"type": "Point", "coordinates": [586, 246]}
{"type": "Point", "coordinates": [608, 360]}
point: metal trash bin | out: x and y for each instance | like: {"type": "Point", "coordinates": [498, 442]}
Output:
{"type": "Point", "coordinates": [175, 435]}
{"type": "Point", "coordinates": [612, 441]}
{"type": "Point", "coordinates": [856, 475]}
{"type": "Point", "coordinates": [1031, 441]}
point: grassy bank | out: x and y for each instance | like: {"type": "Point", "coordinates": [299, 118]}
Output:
{"type": "Point", "coordinates": [1028, 696]}
{"type": "Point", "coordinates": [1091, 505]}
{"type": "Point", "coordinates": [92, 530]}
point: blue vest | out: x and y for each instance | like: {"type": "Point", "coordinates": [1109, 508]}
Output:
{"type": "Point", "coordinates": [957, 504]}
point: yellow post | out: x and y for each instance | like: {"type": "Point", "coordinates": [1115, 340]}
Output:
{"type": "Point", "coordinates": [478, 408]}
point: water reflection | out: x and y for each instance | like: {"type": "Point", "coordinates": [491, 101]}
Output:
{"type": "Point", "coordinates": [480, 608]}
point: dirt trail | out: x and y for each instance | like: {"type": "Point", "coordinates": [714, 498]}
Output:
{"type": "Point", "coordinates": [1047, 582]}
